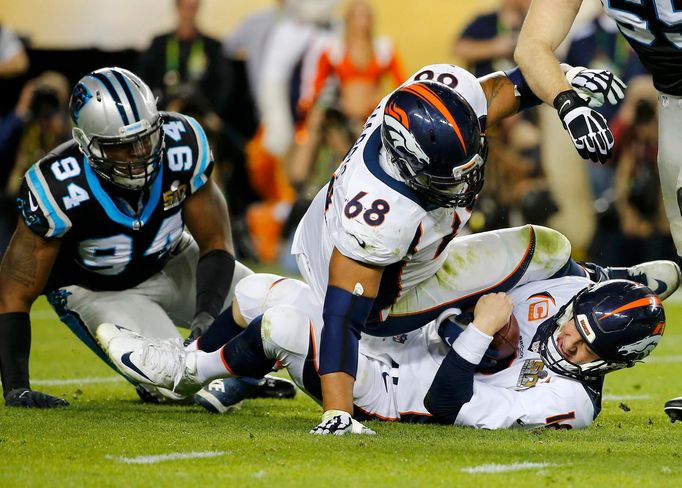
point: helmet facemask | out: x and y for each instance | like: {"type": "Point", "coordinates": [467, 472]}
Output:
{"type": "Point", "coordinates": [458, 190]}
{"type": "Point", "coordinates": [551, 354]}
{"type": "Point", "coordinates": [130, 161]}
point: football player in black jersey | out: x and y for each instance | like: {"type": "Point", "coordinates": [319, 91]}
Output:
{"type": "Point", "coordinates": [654, 30]}
{"type": "Point", "coordinates": [102, 230]}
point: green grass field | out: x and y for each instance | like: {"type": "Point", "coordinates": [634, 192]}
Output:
{"type": "Point", "coordinates": [102, 438]}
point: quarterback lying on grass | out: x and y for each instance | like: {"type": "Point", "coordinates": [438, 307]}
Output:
{"type": "Point", "coordinates": [571, 332]}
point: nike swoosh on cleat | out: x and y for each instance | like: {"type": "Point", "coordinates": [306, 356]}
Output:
{"type": "Point", "coordinates": [125, 359]}
{"type": "Point", "coordinates": [661, 288]}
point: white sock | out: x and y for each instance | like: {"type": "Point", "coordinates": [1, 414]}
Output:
{"type": "Point", "coordinates": [210, 366]}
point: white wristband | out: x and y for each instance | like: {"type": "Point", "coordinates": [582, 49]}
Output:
{"type": "Point", "coordinates": [472, 344]}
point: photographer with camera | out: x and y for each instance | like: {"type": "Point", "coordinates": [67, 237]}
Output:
{"type": "Point", "coordinates": [37, 124]}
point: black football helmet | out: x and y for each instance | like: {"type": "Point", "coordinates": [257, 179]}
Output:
{"type": "Point", "coordinates": [621, 321]}
{"type": "Point", "coordinates": [434, 138]}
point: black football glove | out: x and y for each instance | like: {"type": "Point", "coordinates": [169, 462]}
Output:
{"type": "Point", "coordinates": [23, 397]}
{"type": "Point", "coordinates": [199, 325]}
{"type": "Point", "coordinates": [588, 129]}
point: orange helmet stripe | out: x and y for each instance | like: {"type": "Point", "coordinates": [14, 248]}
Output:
{"type": "Point", "coordinates": [398, 113]}
{"type": "Point", "coordinates": [429, 96]}
{"type": "Point", "coordinates": [642, 302]}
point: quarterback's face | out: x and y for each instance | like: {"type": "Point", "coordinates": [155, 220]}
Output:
{"type": "Point", "coordinates": [573, 347]}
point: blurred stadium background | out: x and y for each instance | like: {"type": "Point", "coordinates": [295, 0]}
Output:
{"type": "Point", "coordinates": [280, 127]}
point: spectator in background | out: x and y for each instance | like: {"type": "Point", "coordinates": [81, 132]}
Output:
{"type": "Point", "coordinates": [246, 42]}
{"type": "Point", "coordinates": [186, 59]}
{"type": "Point", "coordinates": [37, 124]}
{"type": "Point", "coordinates": [487, 44]}
{"type": "Point", "coordinates": [358, 61]}
{"type": "Point", "coordinates": [288, 56]}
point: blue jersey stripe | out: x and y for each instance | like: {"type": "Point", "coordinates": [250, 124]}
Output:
{"type": "Point", "coordinates": [123, 81]}
{"type": "Point", "coordinates": [114, 94]}
{"type": "Point", "coordinates": [204, 150]}
{"type": "Point", "coordinates": [53, 214]}
{"type": "Point", "coordinates": [110, 207]}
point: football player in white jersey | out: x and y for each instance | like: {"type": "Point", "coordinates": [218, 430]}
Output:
{"type": "Point", "coordinates": [374, 244]}
{"type": "Point", "coordinates": [571, 332]}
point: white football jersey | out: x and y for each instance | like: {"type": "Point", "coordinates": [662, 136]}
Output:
{"type": "Point", "coordinates": [371, 216]}
{"type": "Point", "coordinates": [525, 394]}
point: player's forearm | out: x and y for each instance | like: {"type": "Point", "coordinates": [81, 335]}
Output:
{"type": "Point", "coordinates": [15, 347]}
{"type": "Point", "coordinates": [337, 392]}
{"type": "Point", "coordinates": [501, 97]}
{"type": "Point", "coordinates": [542, 72]}
{"type": "Point", "coordinates": [547, 24]}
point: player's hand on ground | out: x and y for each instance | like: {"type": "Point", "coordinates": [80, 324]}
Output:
{"type": "Point", "coordinates": [338, 422]}
{"type": "Point", "coordinates": [199, 325]}
{"type": "Point", "coordinates": [23, 397]}
{"type": "Point", "coordinates": [588, 129]}
{"type": "Point", "coordinates": [597, 86]}
{"type": "Point", "coordinates": [492, 312]}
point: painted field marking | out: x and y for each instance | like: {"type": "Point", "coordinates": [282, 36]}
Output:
{"type": "Point", "coordinates": [78, 381]}
{"type": "Point", "coordinates": [663, 359]}
{"type": "Point", "coordinates": [503, 468]}
{"type": "Point", "coordinates": [616, 398]}
{"type": "Point", "coordinates": [159, 458]}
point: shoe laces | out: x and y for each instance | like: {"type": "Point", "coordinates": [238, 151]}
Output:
{"type": "Point", "coordinates": [165, 357]}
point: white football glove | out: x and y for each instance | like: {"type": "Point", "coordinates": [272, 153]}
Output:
{"type": "Point", "coordinates": [338, 422]}
{"type": "Point", "coordinates": [596, 86]}
{"type": "Point", "coordinates": [588, 129]}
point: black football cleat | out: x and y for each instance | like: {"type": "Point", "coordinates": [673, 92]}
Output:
{"type": "Point", "coordinates": [274, 387]}
{"type": "Point", "coordinates": [674, 409]}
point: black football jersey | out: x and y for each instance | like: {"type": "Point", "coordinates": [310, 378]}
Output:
{"type": "Point", "coordinates": [654, 30]}
{"type": "Point", "coordinates": [105, 244]}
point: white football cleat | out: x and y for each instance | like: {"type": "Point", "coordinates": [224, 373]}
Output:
{"type": "Point", "coordinates": [662, 277]}
{"type": "Point", "coordinates": [163, 363]}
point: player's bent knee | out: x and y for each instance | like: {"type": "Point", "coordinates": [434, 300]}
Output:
{"type": "Point", "coordinates": [551, 245]}
{"type": "Point", "coordinates": [251, 292]}
{"type": "Point", "coordinates": [285, 329]}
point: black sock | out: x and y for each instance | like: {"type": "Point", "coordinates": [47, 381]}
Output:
{"type": "Point", "coordinates": [222, 330]}
{"type": "Point", "coordinates": [245, 355]}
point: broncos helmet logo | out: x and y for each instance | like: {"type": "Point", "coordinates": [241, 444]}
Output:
{"type": "Point", "coordinates": [401, 137]}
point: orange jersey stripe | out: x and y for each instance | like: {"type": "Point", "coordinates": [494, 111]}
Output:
{"type": "Point", "coordinates": [642, 302]}
{"type": "Point", "coordinates": [426, 94]}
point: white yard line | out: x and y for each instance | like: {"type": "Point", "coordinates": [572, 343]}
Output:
{"type": "Point", "coordinates": [159, 458]}
{"type": "Point", "coordinates": [78, 381]}
{"type": "Point", "coordinates": [664, 359]}
{"type": "Point", "coordinates": [616, 398]}
{"type": "Point", "coordinates": [503, 468]}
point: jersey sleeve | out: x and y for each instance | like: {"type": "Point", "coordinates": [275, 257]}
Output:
{"type": "Point", "coordinates": [38, 208]}
{"type": "Point", "coordinates": [560, 403]}
{"type": "Point", "coordinates": [201, 163]}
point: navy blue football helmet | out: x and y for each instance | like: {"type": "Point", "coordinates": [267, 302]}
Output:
{"type": "Point", "coordinates": [434, 138]}
{"type": "Point", "coordinates": [621, 321]}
